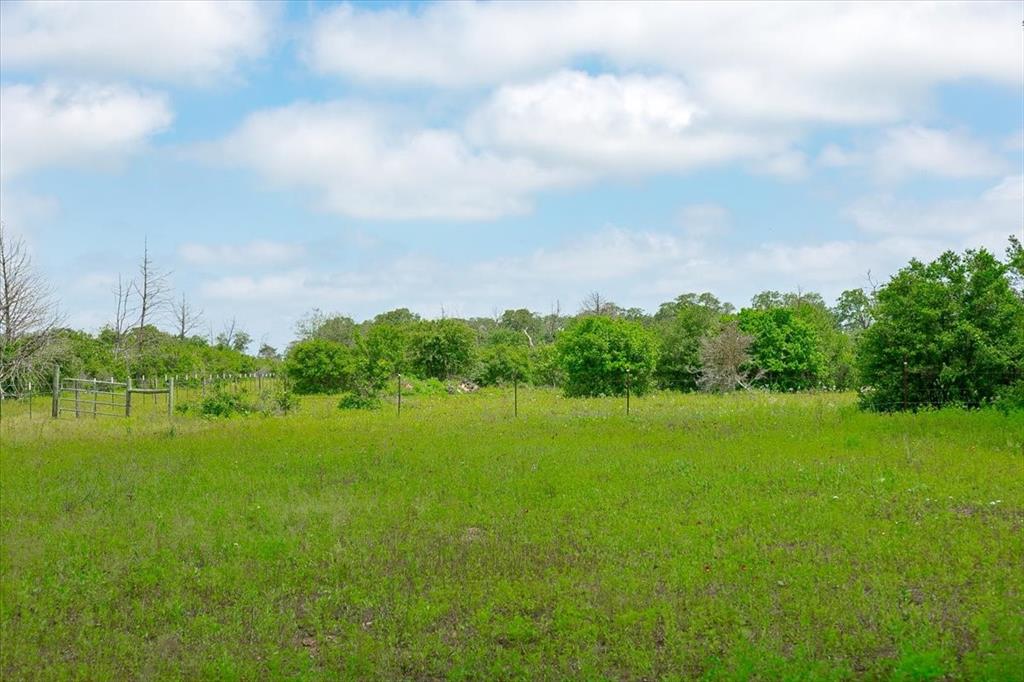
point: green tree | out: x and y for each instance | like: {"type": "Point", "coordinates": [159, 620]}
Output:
{"type": "Point", "coordinates": [526, 324]}
{"type": "Point", "coordinates": [853, 311]}
{"type": "Point", "coordinates": [443, 348]}
{"type": "Point", "coordinates": [681, 325]}
{"type": "Point", "coordinates": [785, 348]}
{"type": "Point", "coordinates": [382, 352]}
{"type": "Point", "coordinates": [318, 325]}
{"type": "Point", "coordinates": [319, 366]}
{"type": "Point", "coordinates": [545, 367]}
{"type": "Point", "coordinates": [398, 316]}
{"type": "Point", "coordinates": [504, 363]}
{"type": "Point", "coordinates": [600, 354]}
{"type": "Point", "coordinates": [948, 331]}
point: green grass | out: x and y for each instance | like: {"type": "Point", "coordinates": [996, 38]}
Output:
{"type": "Point", "coordinates": [747, 536]}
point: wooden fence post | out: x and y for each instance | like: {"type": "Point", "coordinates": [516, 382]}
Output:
{"type": "Point", "coordinates": [128, 398]}
{"type": "Point", "coordinates": [170, 399]}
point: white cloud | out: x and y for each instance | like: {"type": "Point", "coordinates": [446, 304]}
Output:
{"type": "Point", "coordinates": [254, 253]}
{"type": "Point", "coordinates": [914, 149]}
{"type": "Point", "coordinates": [362, 164]}
{"type": "Point", "coordinates": [855, 63]}
{"type": "Point", "coordinates": [56, 125]}
{"type": "Point", "coordinates": [985, 220]}
{"type": "Point", "coordinates": [193, 41]}
{"type": "Point", "coordinates": [787, 165]}
{"type": "Point", "coordinates": [616, 124]}
{"type": "Point", "coordinates": [901, 152]}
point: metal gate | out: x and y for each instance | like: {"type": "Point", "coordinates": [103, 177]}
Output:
{"type": "Point", "coordinates": [99, 398]}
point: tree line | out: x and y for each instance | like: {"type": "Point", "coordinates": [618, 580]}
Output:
{"type": "Point", "coordinates": [948, 331]}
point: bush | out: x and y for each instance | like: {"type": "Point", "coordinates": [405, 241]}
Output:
{"type": "Point", "coordinates": [786, 349]}
{"type": "Point", "coordinates": [319, 366]}
{"type": "Point", "coordinates": [599, 355]}
{"type": "Point", "coordinates": [443, 349]}
{"type": "Point", "coordinates": [220, 403]}
{"type": "Point", "coordinates": [545, 367]}
{"type": "Point", "coordinates": [503, 363]}
{"type": "Point", "coordinates": [431, 386]}
{"type": "Point", "coordinates": [277, 401]}
{"type": "Point", "coordinates": [223, 402]}
{"type": "Point", "coordinates": [359, 400]}
{"type": "Point", "coordinates": [1010, 398]}
{"type": "Point", "coordinates": [949, 332]}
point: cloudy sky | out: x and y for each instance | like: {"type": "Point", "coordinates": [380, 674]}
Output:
{"type": "Point", "coordinates": [476, 157]}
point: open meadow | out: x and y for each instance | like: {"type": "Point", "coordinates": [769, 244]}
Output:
{"type": "Point", "coordinates": [744, 536]}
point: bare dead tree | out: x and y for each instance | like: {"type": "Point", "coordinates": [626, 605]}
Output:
{"type": "Point", "coordinates": [725, 360]}
{"type": "Point", "coordinates": [153, 290]}
{"type": "Point", "coordinates": [28, 317]}
{"type": "Point", "coordinates": [227, 337]}
{"type": "Point", "coordinates": [595, 304]}
{"type": "Point", "coordinates": [123, 294]}
{"type": "Point", "coordinates": [592, 304]}
{"type": "Point", "coordinates": [186, 317]}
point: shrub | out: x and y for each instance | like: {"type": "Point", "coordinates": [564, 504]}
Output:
{"type": "Point", "coordinates": [1010, 398]}
{"type": "Point", "coordinates": [949, 332]}
{"type": "Point", "coordinates": [359, 400]}
{"type": "Point", "coordinates": [319, 366]}
{"type": "Point", "coordinates": [600, 354]}
{"type": "Point", "coordinates": [443, 349]}
{"type": "Point", "coordinates": [785, 350]}
{"type": "Point", "coordinates": [222, 403]}
{"type": "Point", "coordinates": [429, 386]}
{"type": "Point", "coordinates": [545, 367]}
{"type": "Point", "coordinates": [503, 363]}
{"type": "Point", "coordinates": [277, 401]}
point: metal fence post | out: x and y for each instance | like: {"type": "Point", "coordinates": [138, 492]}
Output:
{"type": "Point", "coordinates": [904, 385]}
{"type": "Point", "coordinates": [56, 392]}
{"type": "Point", "coordinates": [627, 392]}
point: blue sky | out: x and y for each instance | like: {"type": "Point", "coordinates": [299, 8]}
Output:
{"type": "Point", "coordinates": [476, 157]}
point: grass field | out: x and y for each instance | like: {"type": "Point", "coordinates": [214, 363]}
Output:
{"type": "Point", "coordinates": [747, 536]}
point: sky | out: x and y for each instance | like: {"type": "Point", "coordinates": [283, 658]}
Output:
{"type": "Point", "coordinates": [467, 158]}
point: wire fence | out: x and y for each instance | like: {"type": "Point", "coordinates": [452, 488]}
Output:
{"type": "Point", "coordinates": [144, 394]}
{"type": "Point", "coordinates": [916, 389]}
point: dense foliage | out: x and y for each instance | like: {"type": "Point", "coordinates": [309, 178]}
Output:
{"type": "Point", "coordinates": [320, 366]}
{"type": "Point", "coordinates": [104, 355]}
{"type": "Point", "coordinates": [950, 331]}
{"type": "Point", "coordinates": [786, 349]}
{"type": "Point", "coordinates": [602, 355]}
